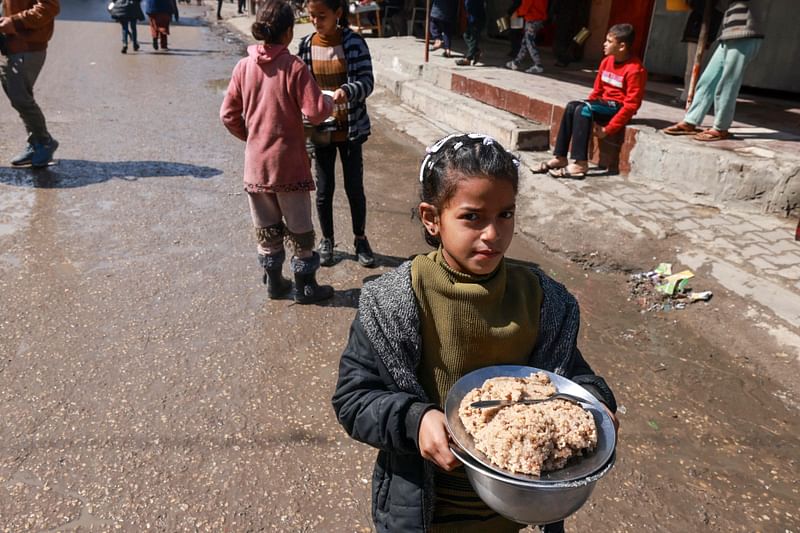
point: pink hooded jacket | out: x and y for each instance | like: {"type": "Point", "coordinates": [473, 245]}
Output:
{"type": "Point", "coordinates": [268, 92]}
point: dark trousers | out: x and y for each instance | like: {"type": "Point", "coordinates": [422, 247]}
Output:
{"type": "Point", "coordinates": [472, 37]}
{"type": "Point", "coordinates": [353, 170]}
{"type": "Point", "coordinates": [577, 127]}
{"type": "Point", "coordinates": [128, 28]}
{"type": "Point", "coordinates": [219, 9]}
{"type": "Point", "coordinates": [440, 31]}
{"type": "Point", "coordinates": [18, 73]}
{"type": "Point", "coordinates": [241, 6]}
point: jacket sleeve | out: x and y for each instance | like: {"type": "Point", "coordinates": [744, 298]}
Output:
{"type": "Point", "coordinates": [360, 85]}
{"type": "Point", "coordinates": [40, 14]}
{"type": "Point", "coordinates": [314, 105]}
{"type": "Point", "coordinates": [368, 404]}
{"type": "Point", "coordinates": [232, 109]}
{"type": "Point", "coordinates": [635, 81]}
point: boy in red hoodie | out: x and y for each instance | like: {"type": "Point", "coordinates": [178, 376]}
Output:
{"type": "Point", "coordinates": [617, 95]}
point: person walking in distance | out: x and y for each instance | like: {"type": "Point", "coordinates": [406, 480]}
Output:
{"type": "Point", "coordinates": [534, 13]}
{"type": "Point", "coordinates": [340, 61]}
{"type": "Point", "coordinates": [268, 93]}
{"type": "Point", "coordinates": [26, 27]}
{"type": "Point", "coordinates": [160, 12]}
{"type": "Point", "coordinates": [127, 13]}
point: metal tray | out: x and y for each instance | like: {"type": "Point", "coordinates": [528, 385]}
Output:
{"type": "Point", "coordinates": [577, 468]}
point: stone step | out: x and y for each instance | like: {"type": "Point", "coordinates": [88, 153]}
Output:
{"type": "Point", "coordinates": [460, 113]}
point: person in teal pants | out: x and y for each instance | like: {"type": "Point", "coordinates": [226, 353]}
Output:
{"type": "Point", "coordinates": [719, 85]}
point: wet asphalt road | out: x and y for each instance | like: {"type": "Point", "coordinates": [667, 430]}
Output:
{"type": "Point", "coordinates": [146, 383]}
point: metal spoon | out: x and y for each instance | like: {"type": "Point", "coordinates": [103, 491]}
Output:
{"type": "Point", "coordinates": [528, 401]}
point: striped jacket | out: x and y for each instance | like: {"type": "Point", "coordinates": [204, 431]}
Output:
{"type": "Point", "coordinates": [742, 20]}
{"type": "Point", "coordinates": [360, 81]}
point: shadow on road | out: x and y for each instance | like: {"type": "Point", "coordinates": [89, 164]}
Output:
{"type": "Point", "coordinates": [69, 173]}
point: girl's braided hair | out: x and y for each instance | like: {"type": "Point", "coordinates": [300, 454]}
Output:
{"type": "Point", "coordinates": [458, 157]}
{"type": "Point", "coordinates": [274, 19]}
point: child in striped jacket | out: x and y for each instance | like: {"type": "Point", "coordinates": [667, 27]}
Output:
{"type": "Point", "coordinates": [340, 62]}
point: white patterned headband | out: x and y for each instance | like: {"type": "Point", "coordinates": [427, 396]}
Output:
{"type": "Point", "coordinates": [433, 149]}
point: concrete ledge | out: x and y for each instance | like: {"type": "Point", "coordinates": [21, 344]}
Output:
{"type": "Point", "coordinates": [459, 112]}
{"type": "Point", "coordinates": [758, 177]}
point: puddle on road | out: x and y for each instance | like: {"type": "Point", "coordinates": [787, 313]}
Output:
{"type": "Point", "coordinates": [15, 209]}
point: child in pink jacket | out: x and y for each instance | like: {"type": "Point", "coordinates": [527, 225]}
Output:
{"type": "Point", "coordinates": [269, 92]}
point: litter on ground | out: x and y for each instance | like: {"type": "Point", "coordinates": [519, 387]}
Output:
{"type": "Point", "coordinates": [661, 290]}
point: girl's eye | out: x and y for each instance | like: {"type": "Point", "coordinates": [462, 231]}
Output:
{"type": "Point", "coordinates": [507, 214]}
{"type": "Point", "coordinates": [471, 217]}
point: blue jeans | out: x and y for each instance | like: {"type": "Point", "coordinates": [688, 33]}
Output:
{"type": "Point", "coordinates": [720, 82]}
{"type": "Point", "coordinates": [128, 27]}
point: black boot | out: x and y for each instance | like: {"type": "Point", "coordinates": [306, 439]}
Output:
{"type": "Point", "coordinates": [305, 280]}
{"type": "Point", "coordinates": [277, 285]}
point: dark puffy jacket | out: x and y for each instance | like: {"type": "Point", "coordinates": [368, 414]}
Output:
{"type": "Point", "coordinates": [379, 400]}
{"type": "Point", "coordinates": [127, 10]}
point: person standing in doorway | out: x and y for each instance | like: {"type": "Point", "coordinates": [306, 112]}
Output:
{"type": "Point", "coordinates": [739, 42]}
{"type": "Point", "coordinates": [443, 13]}
{"type": "Point", "coordinates": [26, 27]}
{"type": "Point", "coordinates": [476, 18]}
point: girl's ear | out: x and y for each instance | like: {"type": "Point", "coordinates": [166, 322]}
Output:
{"type": "Point", "coordinates": [429, 217]}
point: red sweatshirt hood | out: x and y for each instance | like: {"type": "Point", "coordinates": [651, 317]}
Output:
{"type": "Point", "coordinates": [264, 53]}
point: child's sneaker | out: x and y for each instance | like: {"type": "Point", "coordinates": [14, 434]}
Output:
{"type": "Point", "coordinates": [364, 253]}
{"type": "Point", "coordinates": [511, 65]}
{"type": "Point", "coordinates": [536, 69]}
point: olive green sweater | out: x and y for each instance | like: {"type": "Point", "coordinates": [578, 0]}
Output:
{"type": "Point", "coordinates": [469, 322]}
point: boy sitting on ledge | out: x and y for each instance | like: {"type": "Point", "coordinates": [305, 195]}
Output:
{"type": "Point", "coordinates": [617, 95]}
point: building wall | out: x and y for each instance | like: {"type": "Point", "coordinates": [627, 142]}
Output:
{"type": "Point", "coordinates": [777, 65]}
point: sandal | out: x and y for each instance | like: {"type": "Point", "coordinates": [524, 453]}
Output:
{"type": "Point", "coordinates": [564, 173]}
{"type": "Point", "coordinates": [711, 135]}
{"type": "Point", "coordinates": [546, 166]}
{"type": "Point", "coordinates": [681, 128]}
